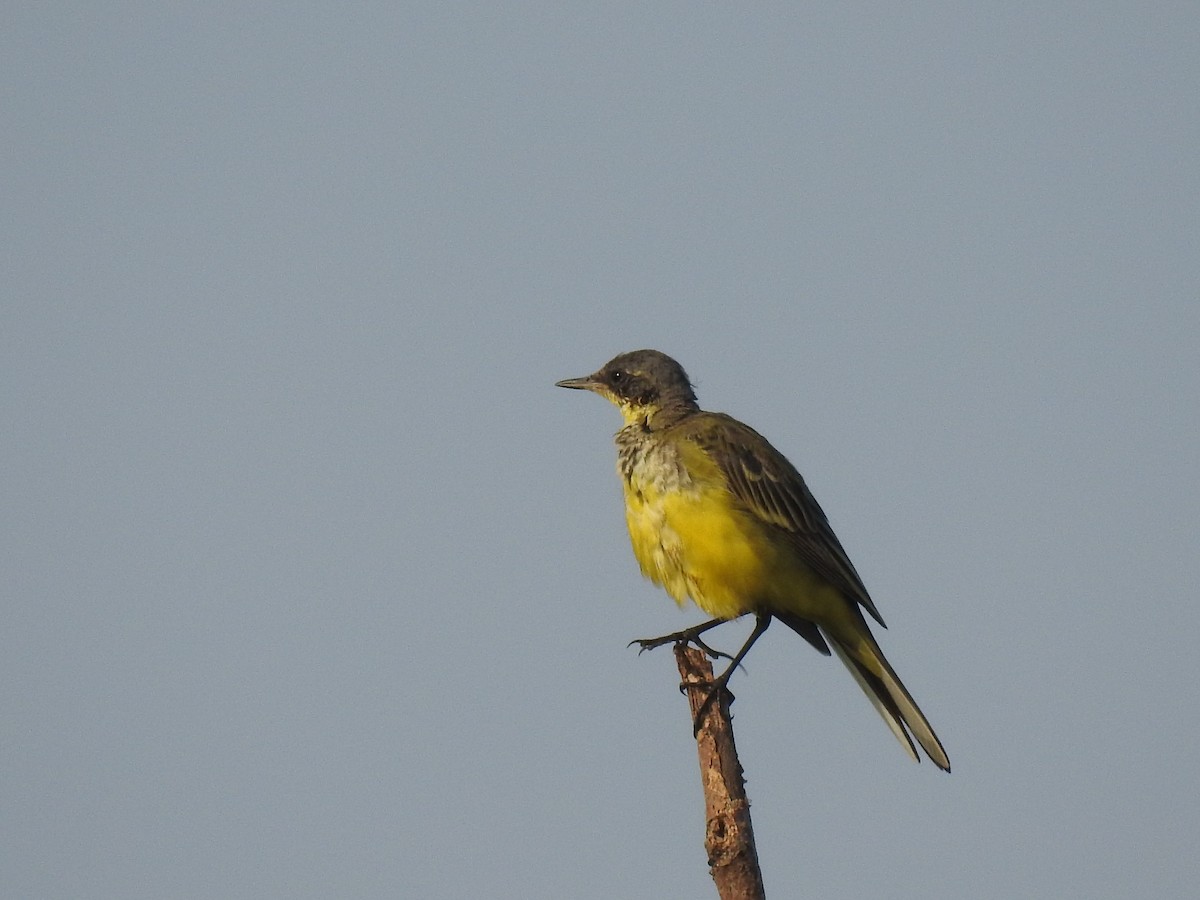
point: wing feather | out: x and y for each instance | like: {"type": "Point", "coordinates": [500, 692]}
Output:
{"type": "Point", "coordinates": [769, 486]}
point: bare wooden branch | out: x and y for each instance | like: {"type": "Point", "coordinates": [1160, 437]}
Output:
{"type": "Point", "coordinates": [729, 837]}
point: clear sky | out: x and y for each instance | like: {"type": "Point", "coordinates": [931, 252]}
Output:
{"type": "Point", "coordinates": [314, 585]}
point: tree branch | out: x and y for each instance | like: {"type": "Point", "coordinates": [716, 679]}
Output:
{"type": "Point", "coordinates": [729, 837]}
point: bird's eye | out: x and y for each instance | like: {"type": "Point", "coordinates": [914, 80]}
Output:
{"type": "Point", "coordinates": [618, 375]}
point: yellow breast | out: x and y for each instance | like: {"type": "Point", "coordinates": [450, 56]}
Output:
{"type": "Point", "coordinates": [693, 538]}
{"type": "Point", "coordinates": [698, 546]}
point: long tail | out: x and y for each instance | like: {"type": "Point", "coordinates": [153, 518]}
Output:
{"type": "Point", "coordinates": [887, 694]}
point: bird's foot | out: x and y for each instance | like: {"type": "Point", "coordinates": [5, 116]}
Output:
{"type": "Point", "coordinates": [717, 690]}
{"type": "Point", "coordinates": [687, 636]}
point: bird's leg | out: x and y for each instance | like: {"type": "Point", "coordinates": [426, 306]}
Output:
{"type": "Point", "coordinates": [687, 636]}
{"type": "Point", "coordinates": [721, 682]}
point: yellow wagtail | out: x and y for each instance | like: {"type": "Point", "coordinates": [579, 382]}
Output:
{"type": "Point", "coordinates": [719, 516]}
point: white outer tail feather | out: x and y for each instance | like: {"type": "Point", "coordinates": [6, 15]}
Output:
{"type": "Point", "coordinates": [897, 707]}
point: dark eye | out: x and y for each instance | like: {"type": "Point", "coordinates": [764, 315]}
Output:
{"type": "Point", "coordinates": [618, 375]}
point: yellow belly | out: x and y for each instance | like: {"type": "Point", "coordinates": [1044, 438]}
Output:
{"type": "Point", "coordinates": [698, 545]}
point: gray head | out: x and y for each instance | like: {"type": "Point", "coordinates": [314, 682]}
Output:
{"type": "Point", "coordinates": [644, 385]}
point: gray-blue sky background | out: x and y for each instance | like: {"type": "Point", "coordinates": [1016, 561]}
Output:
{"type": "Point", "coordinates": [314, 585]}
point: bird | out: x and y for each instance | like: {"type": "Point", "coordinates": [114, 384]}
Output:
{"type": "Point", "coordinates": [716, 515]}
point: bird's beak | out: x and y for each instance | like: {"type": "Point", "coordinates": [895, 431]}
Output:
{"type": "Point", "coordinates": [586, 383]}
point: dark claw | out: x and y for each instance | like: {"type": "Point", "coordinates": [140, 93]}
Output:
{"type": "Point", "coordinates": [715, 654]}
{"type": "Point", "coordinates": [687, 636]}
{"type": "Point", "coordinates": [709, 700]}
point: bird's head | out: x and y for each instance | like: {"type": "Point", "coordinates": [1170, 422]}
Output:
{"type": "Point", "coordinates": [645, 386]}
